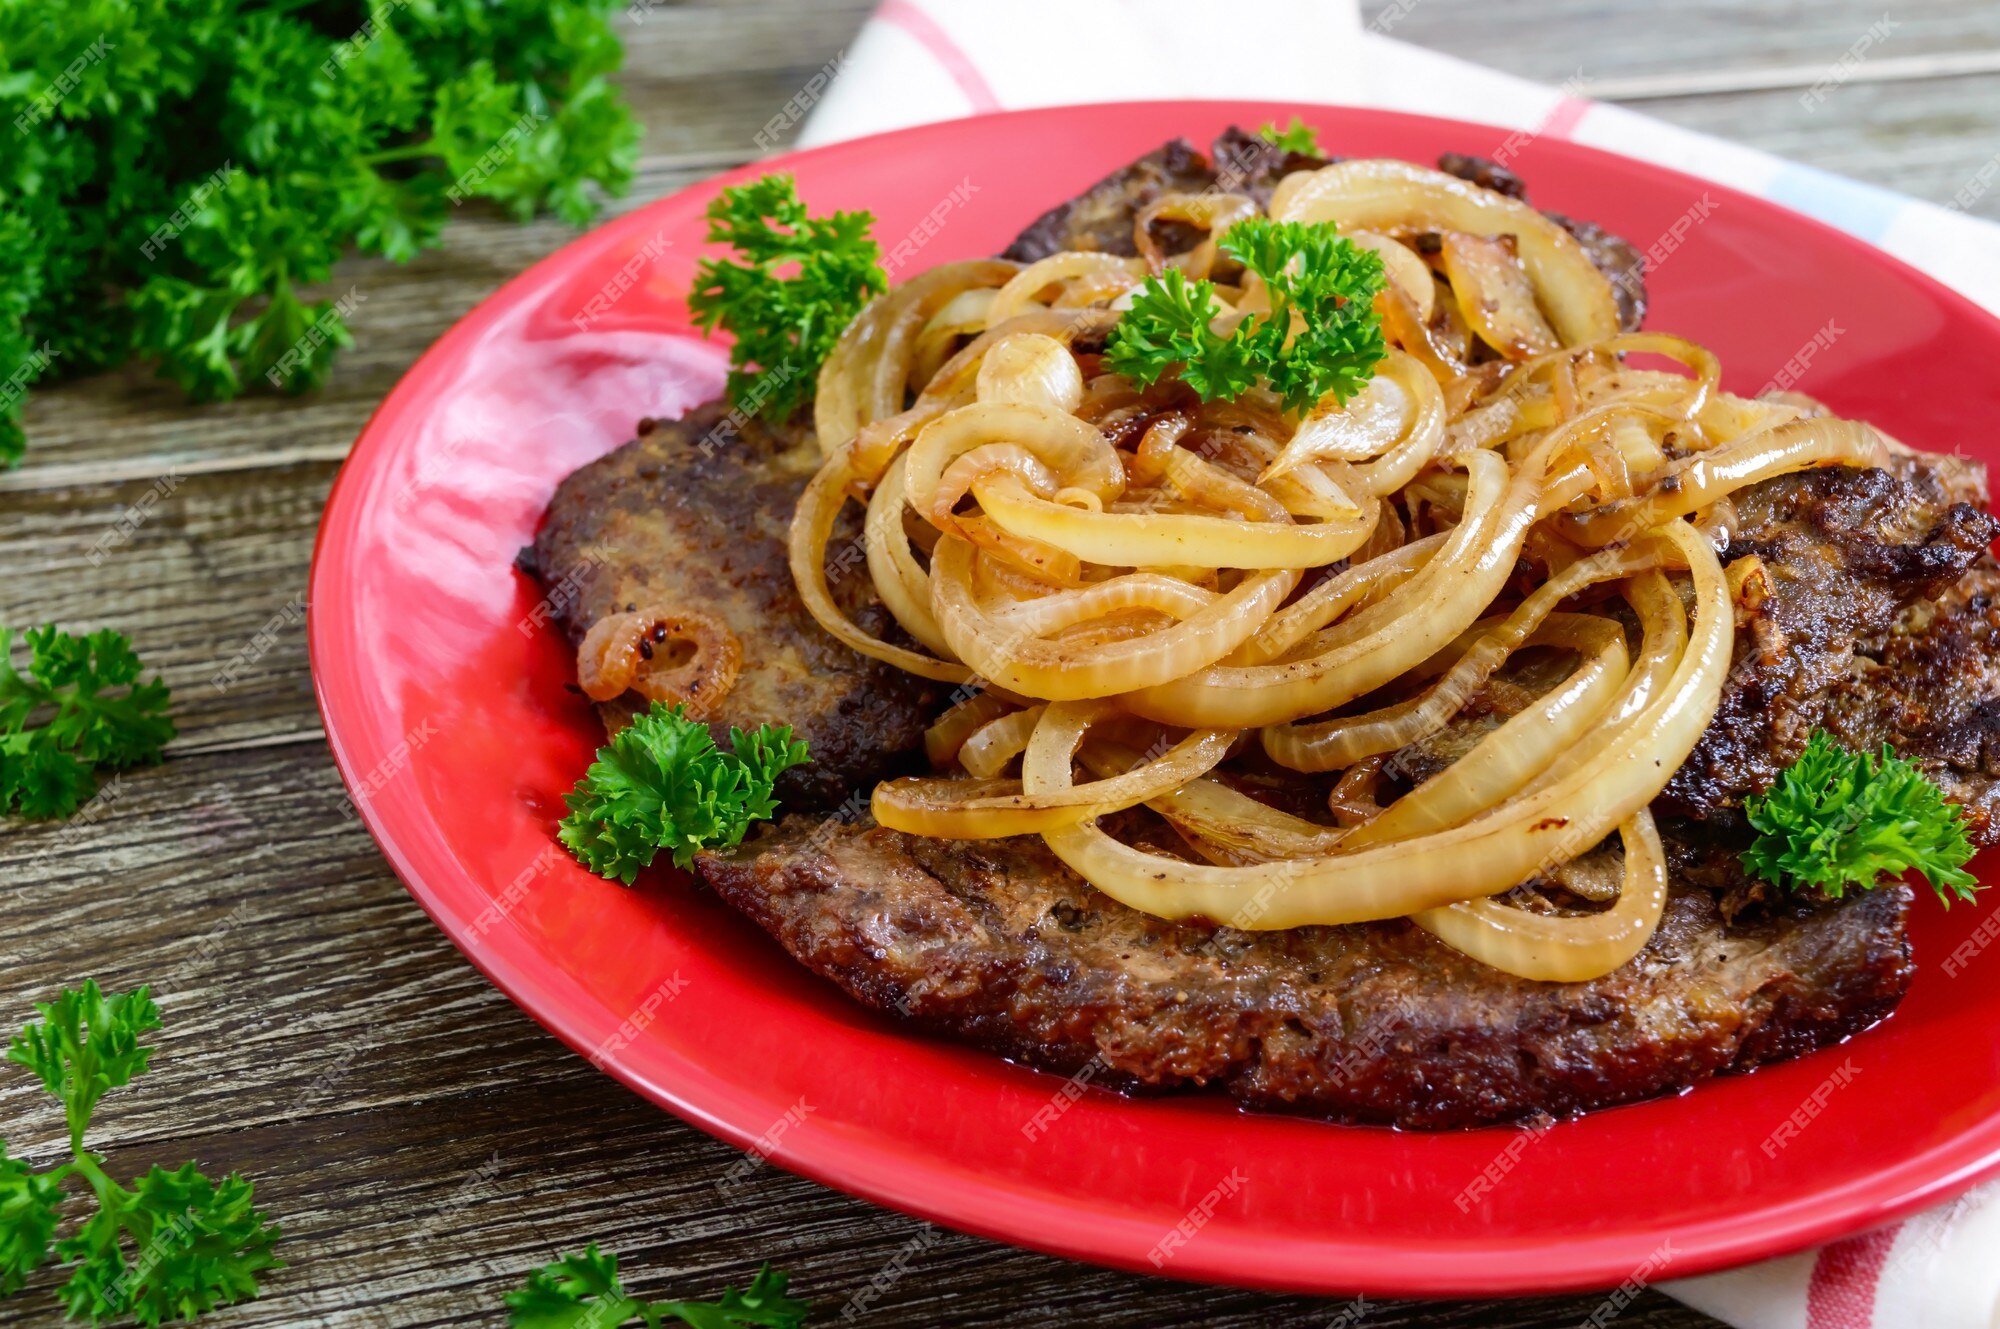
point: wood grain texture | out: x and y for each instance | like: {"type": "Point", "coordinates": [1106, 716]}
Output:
{"type": "Point", "coordinates": [1693, 43]}
{"type": "Point", "coordinates": [206, 573]}
{"type": "Point", "coordinates": [1928, 138]}
{"type": "Point", "coordinates": [424, 1142]}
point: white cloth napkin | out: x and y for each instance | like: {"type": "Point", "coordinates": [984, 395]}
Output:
{"type": "Point", "coordinates": [924, 60]}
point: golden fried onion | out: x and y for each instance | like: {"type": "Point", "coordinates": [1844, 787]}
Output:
{"type": "Point", "coordinates": [1133, 578]}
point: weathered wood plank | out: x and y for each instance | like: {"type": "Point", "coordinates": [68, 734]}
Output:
{"type": "Point", "coordinates": [1929, 138]}
{"type": "Point", "coordinates": [424, 1142]}
{"type": "Point", "coordinates": [206, 574]}
{"type": "Point", "coordinates": [1602, 40]}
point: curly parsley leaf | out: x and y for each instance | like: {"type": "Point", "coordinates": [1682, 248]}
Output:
{"type": "Point", "coordinates": [582, 1291]}
{"type": "Point", "coordinates": [79, 706]}
{"type": "Point", "coordinates": [1322, 337]}
{"type": "Point", "coordinates": [799, 282]}
{"type": "Point", "coordinates": [171, 1246]}
{"type": "Point", "coordinates": [28, 1217]}
{"type": "Point", "coordinates": [1837, 819]}
{"type": "Point", "coordinates": [87, 1043]}
{"type": "Point", "coordinates": [1171, 326]}
{"type": "Point", "coordinates": [186, 172]}
{"type": "Point", "coordinates": [661, 783]}
{"type": "Point", "coordinates": [174, 1246]}
{"type": "Point", "coordinates": [1298, 136]}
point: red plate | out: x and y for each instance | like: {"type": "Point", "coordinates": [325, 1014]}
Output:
{"type": "Point", "coordinates": [446, 707]}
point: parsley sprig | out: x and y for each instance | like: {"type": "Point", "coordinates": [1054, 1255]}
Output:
{"type": "Point", "coordinates": [170, 1246]}
{"type": "Point", "coordinates": [582, 1291]}
{"type": "Point", "coordinates": [661, 783]}
{"type": "Point", "coordinates": [1837, 819]}
{"type": "Point", "coordinates": [80, 705]}
{"type": "Point", "coordinates": [1298, 136]}
{"type": "Point", "coordinates": [180, 177]}
{"type": "Point", "coordinates": [801, 281]}
{"type": "Point", "coordinates": [1322, 336]}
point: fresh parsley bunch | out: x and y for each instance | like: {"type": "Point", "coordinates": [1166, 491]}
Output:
{"type": "Point", "coordinates": [801, 281]}
{"type": "Point", "coordinates": [1298, 136]}
{"type": "Point", "coordinates": [172, 1245]}
{"type": "Point", "coordinates": [1319, 281]}
{"type": "Point", "coordinates": [79, 706]}
{"type": "Point", "coordinates": [583, 1292]}
{"type": "Point", "coordinates": [180, 173]}
{"type": "Point", "coordinates": [661, 783]}
{"type": "Point", "coordinates": [1837, 819]}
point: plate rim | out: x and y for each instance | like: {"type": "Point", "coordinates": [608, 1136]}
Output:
{"type": "Point", "coordinates": [993, 1209]}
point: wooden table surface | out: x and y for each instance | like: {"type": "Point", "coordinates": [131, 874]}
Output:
{"type": "Point", "coordinates": [424, 1142]}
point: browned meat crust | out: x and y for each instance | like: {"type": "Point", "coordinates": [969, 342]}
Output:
{"type": "Point", "coordinates": [1849, 553]}
{"type": "Point", "coordinates": [1930, 688]}
{"type": "Point", "coordinates": [1100, 218]}
{"type": "Point", "coordinates": [694, 513]}
{"type": "Point", "coordinates": [999, 943]}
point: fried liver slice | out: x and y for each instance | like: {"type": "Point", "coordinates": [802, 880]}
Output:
{"type": "Point", "coordinates": [693, 513]}
{"type": "Point", "coordinates": [1876, 630]}
{"type": "Point", "coordinates": [1853, 557]}
{"type": "Point", "coordinates": [998, 943]}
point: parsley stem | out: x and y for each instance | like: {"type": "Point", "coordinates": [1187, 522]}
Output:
{"type": "Point", "coordinates": [401, 153]}
{"type": "Point", "coordinates": [100, 1181]}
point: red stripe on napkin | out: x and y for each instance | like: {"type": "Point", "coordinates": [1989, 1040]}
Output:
{"type": "Point", "coordinates": [1844, 1277]}
{"type": "Point", "coordinates": [1567, 115]}
{"type": "Point", "coordinates": [944, 50]}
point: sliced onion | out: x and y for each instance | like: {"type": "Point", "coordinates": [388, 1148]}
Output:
{"type": "Point", "coordinates": [1508, 759]}
{"type": "Point", "coordinates": [1023, 662]}
{"type": "Point", "coordinates": [901, 581]}
{"type": "Point", "coordinates": [1700, 480]}
{"type": "Point", "coordinates": [1229, 826]}
{"type": "Point", "coordinates": [864, 377]}
{"type": "Point", "coordinates": [1565, 949]}
{"type": "Point", "coordinates": [1495, 295]}
{"type": "Point", "coordinates": [1368, 649]}
{"type": "Point", "coordinates": [1031, 369]}
{"type": "Point", "coordinates": [620, 653]}
{"type": "Point", "coordinates": [1157, 539]}
{"type": "Point", "coordinates": [1155, 591]}
{"type": "Point", "coordinates": [1401, 402]}
{"type": "Point", "coordinates": [1073, 450]}
{"type": "Point", "coordinates": [1334, 596]}
{"type": "Point", "coordinates": [989, 748]}
{"type": "Point", "coordinates": [1405, 270]}
{"type": "Point", "coordinates": [1331, 745]}
{"type": "Point", "coordinates": [812, 526]}
{"type": "Point", "coordinates": [1481, 858]}
{"type": "Point", "coordinates": [948, 734]}
{"type": "Point", "coordinates": [1213, 213]}
{"type": "Point", "coordinates": [964, 316]}
{"type": "Point", "coordinates": [1017, 297]}
{"type": "Point", "coordinates": [987, 810]}
{"type": "Point", "coordinates": [1384, 195]}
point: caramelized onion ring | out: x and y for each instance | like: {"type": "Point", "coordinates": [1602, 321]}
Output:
{"type": "Point", "coordinates": [617, 656]}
